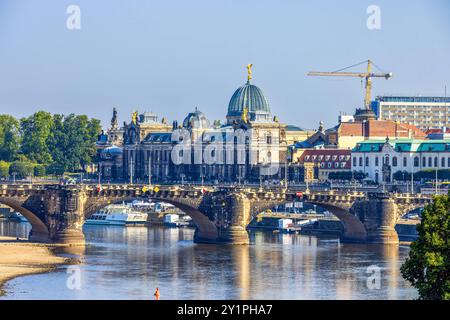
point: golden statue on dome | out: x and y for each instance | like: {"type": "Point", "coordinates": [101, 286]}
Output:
{"type": "Point", "coordinates": [134, 117]}
{"type": "Point", "coordinates": [244, 116]}
{"type": "Point", "coordinates": [249, 72]}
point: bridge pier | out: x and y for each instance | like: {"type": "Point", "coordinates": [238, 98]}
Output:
{"type": "Point", "coordinates": [379, 216]}
{"type": "Point", "coordinates": [236, 235]}
{"type": "Point", "coordinates": [384, 231]}
{"type": "Point", "coordinates": [42, 237]}
{"type": "Point", "coordinates": [69, 236]}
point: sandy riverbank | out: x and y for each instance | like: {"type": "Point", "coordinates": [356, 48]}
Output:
{"type": "Point", "coordinates": [18, 258]}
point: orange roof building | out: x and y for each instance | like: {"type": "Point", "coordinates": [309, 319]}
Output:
{"type": "Point", "coordinates": [347, 134]}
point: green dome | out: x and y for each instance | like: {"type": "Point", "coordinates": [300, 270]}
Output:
{"type": "Point", "coordinates": [248, 96]}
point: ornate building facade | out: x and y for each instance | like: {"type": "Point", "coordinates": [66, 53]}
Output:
{"type": "Point", "coordinates": [252, 144]}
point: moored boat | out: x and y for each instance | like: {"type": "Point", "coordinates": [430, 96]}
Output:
{"type": "Point", "coordinates": [118, 215]}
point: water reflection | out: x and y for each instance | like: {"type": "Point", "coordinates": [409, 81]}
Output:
{"type": "Point", "coordinates": [128, 263]}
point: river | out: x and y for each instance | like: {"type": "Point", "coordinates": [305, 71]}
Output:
{"type": "Point", "coordinates": [130, 262]}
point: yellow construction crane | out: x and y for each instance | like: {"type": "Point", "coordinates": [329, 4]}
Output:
{"type": "Point", "coordinates": [368, 75]}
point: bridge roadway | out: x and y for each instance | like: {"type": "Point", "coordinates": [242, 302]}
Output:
{"type": "Point", "coordinates": [221, 213]}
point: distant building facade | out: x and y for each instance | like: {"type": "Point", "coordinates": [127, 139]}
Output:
{"type": "Point", "coordinates": [380, 160]}
{"type": "Point", "coordinates": [347, 134]}
{"type": "Point", "coordinates": [196, 150]}
{"type": "Point", "coordinates": [322, 161]}
{"type": "Point", "coordinates": [422, 112]}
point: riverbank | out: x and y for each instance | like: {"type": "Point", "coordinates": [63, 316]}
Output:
{"type": "Point", "coordinates": [20, 257]}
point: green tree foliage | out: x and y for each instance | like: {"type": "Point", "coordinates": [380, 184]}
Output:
{"type": "Point", "coordinates": [73, 141]}
{"type": "Point", "coordinates": [36, 131]}
{"type": "Point", "coordinates": [9, 137]}
{"type": "Point", "coordinates": [21, 169]}
{"type": "Point", "coordinates": [61, 143]}
{"type": "Point", "coordinates": [346, 175]}
{"type": "Point", "coordinates": [39, 170]}
{"type": "Point", "coordinates": [4, 169]}
{"type": "Point", "coordinates": [428, 265]}
{"type": "Point", "coordinates": [429, 174]}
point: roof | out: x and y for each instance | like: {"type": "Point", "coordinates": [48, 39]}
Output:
{"type": "Point", "coordinates": [327, 158]}
{"type": "Point", "coordinates": [196, 120]}
{"type": "Point", "coordinates": [158, 137]}
{"type": "Point", "coordinates": [112, 151]}
{"type": "Point", "coordinates": [437, 131]}
{"type": "Point", "coordinates": [412, 99]}
{"type": "Point", "coordinates": [404, 145]}
{"type": "Point", "coordinates": [380, 128]}
{"type": "Point", "coordinates": [250, 97]}
{"type": "Point", "coordinates": [291, 127]}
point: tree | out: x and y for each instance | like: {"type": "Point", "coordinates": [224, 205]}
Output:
{"type": "Point", "coordinates": [4, 169]}
{"type": "Point", "coordinates": [21, 169]}
{"type": "Point", "coordinates": [428, 265]}
{"type": "Point", "coordinates": [9, 137]}
{"type": "Point", "coordinates": [72, 143]}
{"type": "Point", "coordinates": [39, 170]}
{"type": "Point", "coordinates": [36, 131]}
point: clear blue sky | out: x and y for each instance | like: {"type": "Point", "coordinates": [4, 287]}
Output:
{"type": "Point", "coordinates": [173, 55]}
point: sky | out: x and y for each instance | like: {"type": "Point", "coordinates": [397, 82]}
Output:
{"type": "Point", "coordinates": [174, 55]}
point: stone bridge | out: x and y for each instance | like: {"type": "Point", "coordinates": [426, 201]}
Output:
{"type": "Point", "coordinates": [221, 214]}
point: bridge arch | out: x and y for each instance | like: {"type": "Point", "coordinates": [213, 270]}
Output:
{"type": "Point", "coordinates": [206, 229]}
{"type": "Point", "coordinates": [354, 229]}
{"type": "Point", "coordinates": [402, 211]}
{"type": "Point", "coordinates": [39, 231]}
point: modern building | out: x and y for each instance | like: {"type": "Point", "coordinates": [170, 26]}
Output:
{"type": "Point", "coordinates": [422, 112]}
{"type": "Point", "coordinates": [380, 160]}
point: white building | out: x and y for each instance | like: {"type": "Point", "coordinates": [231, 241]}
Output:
{"type": "Point", "coordinates": [380, 160]}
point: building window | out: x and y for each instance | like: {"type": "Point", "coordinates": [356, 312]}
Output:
{"type": "Point", "coordinates": [367, 161]}
{"type": "Point", "coordinates": [386, 160]}
{"type": "Point", "coordinates": [448, 162]}
{"type": "Point", "coordinates": [405, 162]}
{"type": "Point", "coordinates": [360, 161]}
{"type": "Point", "coordinates": [354, 161]}
{"type": "Point", "coordinates": [416, 161]}
{"type": "Point", "coordinates": [424, 162]}
{"type": "Point", "coordinates": [269, 139]}
{"type": "Point", "coordinates": [443, 162]}
{"type": "Point", "coordinates": [394, 161]}
{"type": "Point", "coordinates": [435, 162]}
{"type": "Point", "coordinates": [430, 163]}
{"type": "Point", "coordinates": [376, 162]}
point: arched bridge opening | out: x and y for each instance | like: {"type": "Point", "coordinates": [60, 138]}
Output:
{"type": "Point", "coordinates": [39, 230]}
{"type": "Point", "coordinates": [353, 228]}
{"type": "Point", "coordinates": [206, 230]}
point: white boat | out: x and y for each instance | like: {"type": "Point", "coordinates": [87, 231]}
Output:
{"type": "Point", "coordinates": [118, 215]}
{"type": "Point", "coordinates": [174, 220]}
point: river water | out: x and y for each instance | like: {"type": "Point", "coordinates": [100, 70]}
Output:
{"type": "Point", "coordinates": [130, 262]}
